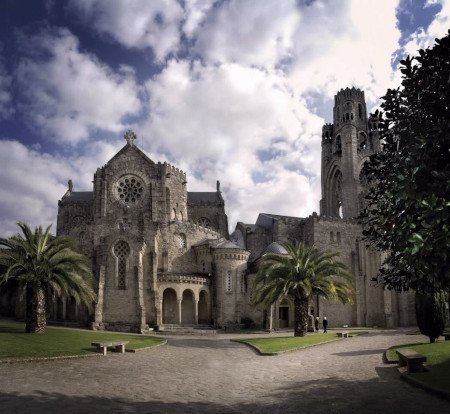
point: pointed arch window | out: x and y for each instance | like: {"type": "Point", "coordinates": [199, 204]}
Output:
{"type": "Point", "coordinates": [121, 251]}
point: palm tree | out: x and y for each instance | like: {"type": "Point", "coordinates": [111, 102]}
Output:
{"type": "Point", "coordinates": [44, 266]}
{"type": "Point", "coordinates": [301, 273]}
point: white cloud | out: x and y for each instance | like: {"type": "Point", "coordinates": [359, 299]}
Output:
{"type": "Point", "coordinates": [196, 11]}
{"type": "Point", "coordinates": [69, 94]}
{"type": "Point", "coordinates": [226, 122]}
{"type": "Point", "coordinates": [239, 31]}
{"type": "Point", "coordinates": [135, 24]}
{"type": "Point", "coordinates": [33, 182]}
{"type": "Point", "coordinates": [424, 38]}
{"type": "Point", "coordinates": [353, 49]}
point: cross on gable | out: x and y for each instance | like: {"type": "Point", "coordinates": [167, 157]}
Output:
{"type": "Point", "coordinates": [130, 136]}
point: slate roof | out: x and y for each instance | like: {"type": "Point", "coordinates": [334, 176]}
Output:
{"type": "Point", "coordinates": [75, 196]}
{"type": "Point", "coordinates": [203, 197]}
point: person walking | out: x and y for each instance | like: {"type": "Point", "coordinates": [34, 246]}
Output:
{"type": "Point", "coordinates": [316, 324]}
{"type": "Point", "coordinates": [325, 324]}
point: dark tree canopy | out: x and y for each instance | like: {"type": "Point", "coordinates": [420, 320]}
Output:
{"type": "Point", "coordinates": [408, 213]}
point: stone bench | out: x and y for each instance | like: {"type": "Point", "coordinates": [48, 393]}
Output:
{"type": "Point", "coordinates": [447, 336]}
{"type": "Point", "coordinates": [412, 359]}
{"type": "Point", "coordinates": [342, 334]}
{"type": "Point", "coordinates": [103, 346]}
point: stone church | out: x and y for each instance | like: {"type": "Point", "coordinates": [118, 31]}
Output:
{"type": "Point", "coordinates": [162, 256]}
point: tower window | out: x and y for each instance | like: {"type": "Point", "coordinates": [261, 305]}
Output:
{"type": "Point", "coordinates": [228, 282]}
{"type": "Point", "coordinates": [360, 111]}
{"type": "Point", "coordinates": [331, 236]}
{"type": "Point", "coordinates": [338, 237]}
{"type": "Point", "coordinates": [121, 251]}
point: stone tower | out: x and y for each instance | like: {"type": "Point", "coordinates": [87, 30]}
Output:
{"type": "Point", "coordinates": [346, 144]}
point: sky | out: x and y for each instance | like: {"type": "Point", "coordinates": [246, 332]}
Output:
{"type": "Point", "coordinates": [229, 90]}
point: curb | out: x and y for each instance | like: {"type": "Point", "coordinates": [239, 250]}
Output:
{"type": "Point", "coordinates": [63, 357]}
{"type": "Point", "coordinates": [416, 383]}
{"type": "Point", "coordinates": [254, 347]}
{"type": "Point", "coordinates": [147, 347]}
{"type": "Point", "coordinates": [49, 359]}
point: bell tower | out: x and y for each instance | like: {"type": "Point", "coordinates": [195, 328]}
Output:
{"type": "Point", "coordinates": [346, 144]}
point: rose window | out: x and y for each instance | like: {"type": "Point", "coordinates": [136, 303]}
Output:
{"type": "Point", "coordinates": [129, 189]}
{"type": "Point", "coordinates": [204, 222]}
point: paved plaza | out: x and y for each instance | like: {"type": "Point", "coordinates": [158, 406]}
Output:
{"type": "Point", "coordinates": [215, 375]}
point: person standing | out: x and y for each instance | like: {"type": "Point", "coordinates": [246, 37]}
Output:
{"type": "Point", "coordinates": [316, 324]}
{"type": "Point", "coordinates": [325, 324]}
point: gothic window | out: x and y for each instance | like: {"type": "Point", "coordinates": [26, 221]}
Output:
{"type": "Point", "coordinates": [121, 251]}
{"type": "Point", "coordinates": [129, 189]}
{"type": "Point", "coordinates": [242, 282]}
{"type": "Point", "coordinates": [362, 142]}
{"type": "Point", "coordinates": [204, 222]}
{"type": "Point", "coordinates": [82, 239]}
{"type": "Point", "coordinates": [228, 282]}
{"type": "Point", "coordinates": [78, 221]}
{"type": "Point", "coordinates": [338, 145]}
{"type": "Point", "coordinates": [335, 188]}
{"type": "Point", "coordinates": [180, 240]}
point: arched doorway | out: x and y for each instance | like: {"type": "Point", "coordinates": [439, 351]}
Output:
{"type": "Point", "coordinates": [203, 314]}
{"type": "Point", "coordinates": [170, 306]}
{"type": "Point", "coordinates": [188, 308]}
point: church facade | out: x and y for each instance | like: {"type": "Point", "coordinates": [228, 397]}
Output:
{"type": "Point", "coordinates": [162, 256]}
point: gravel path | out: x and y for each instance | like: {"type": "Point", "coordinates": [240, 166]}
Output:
{"type": "Point", "coordinates": [214, 375]}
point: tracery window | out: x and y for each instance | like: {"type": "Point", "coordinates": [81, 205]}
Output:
{"type": "Point", "coordinates": [129, 189]}
{"type": "Point", "coordinates": [204, 222]}
{"type": "Point", "coordinates": [121, 251]}
{"type": "Point", "coordinates": [180, 240]}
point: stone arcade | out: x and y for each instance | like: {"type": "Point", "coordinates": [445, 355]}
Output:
{"type": "Point", "coordinates": [162, 255]}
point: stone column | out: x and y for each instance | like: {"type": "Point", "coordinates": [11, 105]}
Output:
{"type": "Point", "coordinates": [271, 318]}
{"type": "Point", "coordinates": [140, 286]}
{"type": "Point", "coordinates": [196, 311]}
{"type": "Point", "coordinates": [179, 310]}
{"type": "Point", "coordinates": [159, 312]}
{"type": "Point", "coordinates": [98, 319]}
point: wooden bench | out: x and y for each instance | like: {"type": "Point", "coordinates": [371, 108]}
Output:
{"type": "Point", "coordinates": [103, 346]}
{"type": "Point", "coordinates": [412, 359]}
{"type": "Point", "coordinates": [342, 334]}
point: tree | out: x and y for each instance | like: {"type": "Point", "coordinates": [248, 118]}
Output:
{"type": "Point", "coordinates": [300, 274]}
{"type": "Point", "coordinates": [431, 314]}
{"type": "Point", "coordinates": [408, 213]}
{"type": "Point", "coordinates": [43, 267]}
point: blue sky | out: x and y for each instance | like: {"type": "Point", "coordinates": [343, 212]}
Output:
{"type": "Point", "coordinates": [234, 90]}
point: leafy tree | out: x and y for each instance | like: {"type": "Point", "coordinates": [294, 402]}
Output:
{"type": "Point", "coordinates": [300, 274]}
{"type": "Point", "coordinates": [44, 266]}
{"type": "Point", "coordinates": [431, 314]}
{"type": "Point", "coordinates": [408, 213]}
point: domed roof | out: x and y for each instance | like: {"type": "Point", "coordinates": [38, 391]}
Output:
{"type": "Point", "coordinates": [226, 244]}
{"type": "Point", "coordinates": [275, 248]}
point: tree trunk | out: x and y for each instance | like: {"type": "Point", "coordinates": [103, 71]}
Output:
{"type": "Point", "coordinates": [300, 316]}
{"type": "Point", "coordinates": [35, 310]}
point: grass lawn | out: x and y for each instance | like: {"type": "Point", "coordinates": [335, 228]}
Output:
{"type": "Point", "coordinates": [288, 343]}
{"type": "Point", "coordinates": [55, 342]}
{"type": "Point", "coordinates": [438, 363]}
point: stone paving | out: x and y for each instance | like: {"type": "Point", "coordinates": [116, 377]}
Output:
{"type": "Point", "coordinates": [214, 375]}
